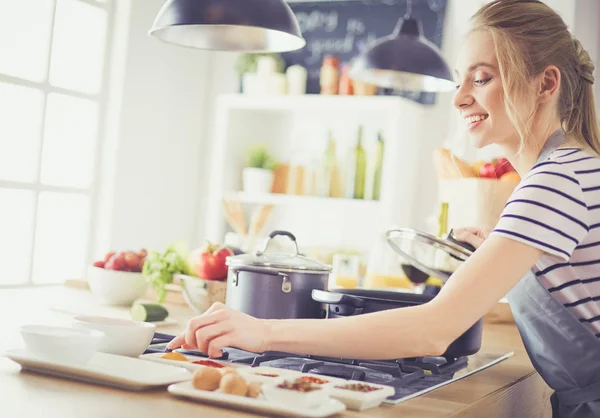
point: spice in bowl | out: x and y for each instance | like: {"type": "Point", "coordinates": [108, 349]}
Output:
{"type": "Point", "coordinates": [358, 387]}
{"type": "Point", "coordinates": [173, 355]}
{"type": "Point", "coordinates": [209, 363]}
{"type": "Point", "coordinates": [298, 386]}
{"type": "Point", "coordinates": [266, 374]}
{"type": "Point", "coordinates": [312, 379]}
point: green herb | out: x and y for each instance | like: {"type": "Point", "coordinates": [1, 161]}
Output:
{"type": "Point", "coordinates": [246, 63]}
{"type": "Point", "coordinates": [259, 157]}
{"type": "Point", "coordinates": [159, 268]}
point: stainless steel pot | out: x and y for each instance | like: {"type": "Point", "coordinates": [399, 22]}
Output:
{"type": "Point", "coordinates": [272, 285]}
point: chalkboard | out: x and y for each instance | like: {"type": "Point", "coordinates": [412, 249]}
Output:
{"type": "Point", "coordinates": [346, 28]}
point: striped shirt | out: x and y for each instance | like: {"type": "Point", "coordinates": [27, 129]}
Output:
{"type": "Point", "coordinates": [556, 208]}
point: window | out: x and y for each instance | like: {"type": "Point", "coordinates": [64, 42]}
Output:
{"type": "Point", "coordinates": [52, 90]}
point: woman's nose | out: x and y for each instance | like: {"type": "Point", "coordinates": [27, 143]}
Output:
{"type": "Point", "coordinates": [462, 98]}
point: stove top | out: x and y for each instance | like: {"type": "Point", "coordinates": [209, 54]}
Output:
{"type": "Point", "coordinates": [410, 377]}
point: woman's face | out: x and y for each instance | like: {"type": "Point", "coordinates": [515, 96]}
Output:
{"type": "Point", "coordinates": [480, 96]}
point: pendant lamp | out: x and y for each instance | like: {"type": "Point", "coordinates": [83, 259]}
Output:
{"type": "Point", "coordinates": [404, 60]}
{"type": "Point", "coordinates": [229, 25]}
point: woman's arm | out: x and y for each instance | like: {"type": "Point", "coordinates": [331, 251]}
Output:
{"type": "Point", "coordinates": [415, 331]}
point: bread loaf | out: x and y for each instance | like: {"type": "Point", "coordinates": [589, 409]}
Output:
{"type": "Point", "coordinates": [449, 166]}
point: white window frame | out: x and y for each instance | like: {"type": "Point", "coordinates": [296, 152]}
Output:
{"type": "Point", "coordinates": [101, 98]}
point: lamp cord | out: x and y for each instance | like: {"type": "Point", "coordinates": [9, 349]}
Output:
{"type": "Point", "coordinates": [408, 9]}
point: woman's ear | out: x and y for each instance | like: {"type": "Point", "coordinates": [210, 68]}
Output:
{"type": "Point", "coordinates": [549, 84]}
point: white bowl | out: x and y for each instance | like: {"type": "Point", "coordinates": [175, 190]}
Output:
{"type": "Point", "coordinates": [200, 294]}
{"type": "Point", "coordinates": [61, 344]}
{"type": "Point", "coordinates": [265, 374]}
{"type": "Point", "coordinates": [311, 399]}
{"type": "Point", "coordinates": [123, 337]}
{"type": "Point", "coordinates": [359, 401]}
{"type": "Point", "coordinates": [114, 287]}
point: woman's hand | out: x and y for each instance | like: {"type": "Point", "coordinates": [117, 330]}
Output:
{"type": "Point", "coordinates": [220, 327]}
{"type": "Point", "coordinates": [472, 235]}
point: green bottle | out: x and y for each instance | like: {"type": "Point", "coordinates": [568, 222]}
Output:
{"type": "Point", "coordinates": [361, 167]}
{"type": "Point", "coordinates": [378, 166]}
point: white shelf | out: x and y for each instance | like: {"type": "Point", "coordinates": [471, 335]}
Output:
{"type": "Point", "coordinates": [286, 199]}
{"type": "Point", "coordinates": [313, 102]}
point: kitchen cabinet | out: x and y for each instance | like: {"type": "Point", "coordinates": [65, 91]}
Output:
{"type": "Point", "coordinates": [295, 128]}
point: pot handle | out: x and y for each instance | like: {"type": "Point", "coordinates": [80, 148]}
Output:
{"type": "Point", "coordinates": [334, 298]}
{"type": "Point", "coordinates": [286, 285]}
{"type": "Point", "coordinates": [250, 270]}
{"type": "Point", "coordinates": [273, 235]}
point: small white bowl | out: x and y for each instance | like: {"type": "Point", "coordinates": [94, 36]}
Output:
{"type": "Point", "coordinates": [264, 374]}
{"type": "Point", "coordinates": [359, 401]}
{"type": "Point", "coordinates": [123, 337]}
{"type": "Point", "coordinates": [114, 287]}
{"type": "Point", "coordinates": [61, 344]}
{"type": "Point", "coordinates": [311, 399]}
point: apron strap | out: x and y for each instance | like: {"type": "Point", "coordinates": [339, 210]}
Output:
{"type": "Point", "coordinates": [579, 396]}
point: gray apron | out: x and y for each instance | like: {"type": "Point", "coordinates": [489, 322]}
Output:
{"type": "Point", "coordinates": [563, 351]}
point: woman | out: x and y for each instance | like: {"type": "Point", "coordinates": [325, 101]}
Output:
{"type": "Point", "coordinates": [525, 84]}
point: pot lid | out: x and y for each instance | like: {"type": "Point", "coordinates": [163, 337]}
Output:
{"type": "Point", "coordinates": [279, 261]}
{"type": "Point", "coordinates": [435, 256]}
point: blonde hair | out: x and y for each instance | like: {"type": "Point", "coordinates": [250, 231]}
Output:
{"type": "Point", "coordinates": [529, 36]}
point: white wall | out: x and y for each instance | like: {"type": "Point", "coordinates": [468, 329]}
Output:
{"type": "Point", "coordinates": [152, 173]}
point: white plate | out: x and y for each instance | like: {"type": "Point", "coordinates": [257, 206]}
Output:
{"type": "Point", "coordinates": [157, 358]}
{"type": "Point", "coordinates": [186, 390]}
{"type": "Point", "coordinates": [106, 369]}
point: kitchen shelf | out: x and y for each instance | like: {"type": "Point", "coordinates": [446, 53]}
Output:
{"type": "Point", "coordinates": [286, 199]}
{"type": "Point", "coordinates": [312, 102]}
{"type": "Point", "coordinates": [296, 129]}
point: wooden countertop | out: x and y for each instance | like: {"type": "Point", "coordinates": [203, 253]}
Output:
{"type": "Point", "coordinates": [509, 389]}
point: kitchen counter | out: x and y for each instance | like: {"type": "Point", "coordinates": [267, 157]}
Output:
{"type": "Point", "coordinates": [509, 389]}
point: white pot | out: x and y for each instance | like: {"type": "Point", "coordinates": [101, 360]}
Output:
{"type": "Point", "coordinates": [257, 180]}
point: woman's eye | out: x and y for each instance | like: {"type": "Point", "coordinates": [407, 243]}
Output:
{"type": "Point", "coordinates": [457, 86]}
{"type": "Point", "coordinates": [482, 82]}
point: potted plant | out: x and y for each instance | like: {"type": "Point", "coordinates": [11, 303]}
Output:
{"type": "Point", "coordinates": [247, 65]}
{"type": "Point", "coordinates": [257, 176]}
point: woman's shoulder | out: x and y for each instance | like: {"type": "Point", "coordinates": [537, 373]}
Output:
{"type": "Point", "coordinates": [566, 165]}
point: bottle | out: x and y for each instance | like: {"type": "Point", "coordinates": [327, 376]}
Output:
{"type": "Point", "coordinates": [296, 79]}
{"type": "Point", "coordinates": [346, 86]}
{"type": "Point", "coordinates": [329, 77]}
{"type": "Point", "coordinates": [378, 166]}
{"type": "Point", "coordinates": [360, 172]}
{"type": "Point", "coordinates": [443, 221]}
{"type": "Point", "coordinates": [332, 169]}
{"type": "Point", "coordinates": [441, 259]}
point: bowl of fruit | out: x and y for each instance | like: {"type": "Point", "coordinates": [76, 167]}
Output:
{"type": "Point", "coordinates": [118, 279]}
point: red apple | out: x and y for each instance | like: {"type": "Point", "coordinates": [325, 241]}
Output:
{"type": "Point", "coordinates": [117, 262]}
{"type": "Point", "coordinates": [488, 170]}
{"type": "Point", "coordinates": [99, 263]}
{"type": "Point", "coordinates": [211, 263]}
{"type": "Point", "coordinates": [132, 260]}
{"type": "Point", "coordinates": [108, 256]}
{"type": "Point", "coordinates": [503, 166]}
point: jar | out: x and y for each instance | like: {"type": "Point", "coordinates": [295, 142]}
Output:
{"type": "Point", "coordinates": [296, 79]}
{"type": "Point", "coordinates": [330, 77]}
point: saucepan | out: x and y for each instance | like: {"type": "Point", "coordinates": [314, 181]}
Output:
{"type": "Point", "coordinates": [437, 257]}
{"type": "Point", "coordinates": [276, 285]}
{"type": "Point", "coordinates": [349, 302]}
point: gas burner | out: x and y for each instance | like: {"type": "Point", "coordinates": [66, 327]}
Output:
{"type": "Point", "coordinates": [437, 365]}
{"type": "Point", "coordinates": [409, 377]}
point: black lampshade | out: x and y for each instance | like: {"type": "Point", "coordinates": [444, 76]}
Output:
{"type": "Point", "coordinates": [404, 60]}
{"type": "Point", "coordinates": [229, 25]}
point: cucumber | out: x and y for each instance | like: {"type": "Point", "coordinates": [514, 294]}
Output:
{"type": "Point", "coordinates": [148, 312]}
